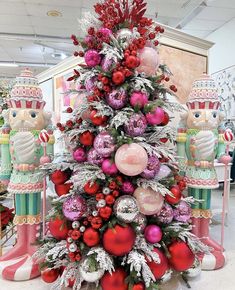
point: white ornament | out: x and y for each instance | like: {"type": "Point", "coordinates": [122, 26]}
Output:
{"type": "Point", "coordinates": [101, 203]}
{"type": "Point", "coordinates": [82, 229]}
{"type": "Point", "coordinates": [75, 224]}
{"type": "Point", "coordinates": [106, 190]}
{"type": "Point", "coordinates": [73, 248]}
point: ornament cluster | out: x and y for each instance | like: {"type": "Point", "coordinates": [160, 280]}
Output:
{"type": "Point", "coordinates": [121, 219]}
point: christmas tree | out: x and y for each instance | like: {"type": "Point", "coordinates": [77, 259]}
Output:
{"type": "Point", "coordinates": [120, 219]}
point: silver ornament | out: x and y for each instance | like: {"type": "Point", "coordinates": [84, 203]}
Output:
{"type": "Point", "coordinates": [69, 240]}
{"type": "Point", "coordinates": [73, 248]}
{"type": "Point", "coordinates": [141, 222]}
{"type": "Point", "coordinates": [95, 213]}
{"type": "Point", "coordinates": [87, 275]}
{"type": "Point", "coordinates": [82, 229]}
{"type": "Point", "coordinates": [75, 224]}
{"type": "Point", "coordinates": [124, 36]}
{"type": "Point", "coordinates": [101, 203]}
{"type": "Point", "coordinates": [195, 270]}
{"type": "Point", "coordinates": [106, 190]}
{"type": "Point", "coordinates": [126, 208]}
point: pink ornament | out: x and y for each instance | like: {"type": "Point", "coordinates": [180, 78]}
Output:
{"type": "Point", "coordinates": [105, 31]}
{"type": "Point", "coordinates": [127, 187]}
{"type": "Point", "coordinates": [150, 202]}
{"type": "Point", "coordinates": [228, 135]}
{"type": "Point", "coordinates": [166, 214]}
{"type": "Point", "coordinates": [104, 144]}
{"type": "Point", "coordinates": [117, 99]}
{"type": "Point", "coordinates": [109, 167]}
{"type": "Point", "coordinates": [182, 212]}
{"type": "Point", "coordinates": [136, 125]}
{"type": "Point", "coordinates": [138, 99]}
{"type": "Point", "coordinates": [92, 58]}
{"type": "Point", "coordinates": [153, 234]}
{"type": "Point", "coordinates": [93, 157]}
{"type": "Point", "coordinates": [131, 159]}
{"type": "Point", "coordinates": [106, 64]}
{"type": "Point", "coordinates": [152, 168]}
{"type": "Point", "coordinates": [90, 84]}
{"type": "Point", "coordinates": [74, 207]}
{"type": "Point", "coordinates": [79, 155]}
{"type": "Point", "coordinates": [45, 159]}
{"type": "Point", "coordinates": [156, 117]}
{"type": "Point", "coordinates": [149, 61]}
{"type": "Point", "coordinates": [89, 39]}
{"type": "Point", "coordinates": [163, 172]}
{"type": "Point", "coordinates": [225, 159]}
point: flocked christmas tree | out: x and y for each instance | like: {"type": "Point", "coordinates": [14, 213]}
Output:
{"type": "Point", "coordinates": [120, 220]}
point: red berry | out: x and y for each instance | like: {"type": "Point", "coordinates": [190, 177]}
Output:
{"type": "Point", "coordinates": [75, 235]}
{"type": "Point", "coordinates": [105, 80]}
{"type": "Point", "coordinates": [91, 187]}
{"type": "Point", "coordinates": [75, 42]}
{"type": "Point", "coordinates": [76, 53]}
{"type": "Point", "coordinates": [49, 276]}
{"type": "Point", "coordinates": [99, 196]}
{"type": "Point", "coordinates": [59, 125]}
{"type": "Point", "coordinates": [156, 42]}
{"type": "Point", "coordinates": [97, 120]}
{"type": "Point", "coordinates": [96, 222]}
{"type": "Point", "coordinates": [152, 35]}
{"type": "Point", "coordinates": [118, 78]}
{"type": "Point", "coordinates": [115, 193]}
{"type": "Point", "coordinates": [109, 199]}
{"type": "Point", "coordinates": [167, 79]}
{"type": "Point", "coordinates": [91, 31]}
{"type": "Point", "coordinates": [86, 138]}
{"type": "Point", "coordinates": [81, 53]}
{"type": "Point", "coordinates": [131, 61]}
{"type": "Point", "coordinates": [105, 212]}
{"type": "Point", "coordinates": [163, 140]}
{"type": "Point", "coordinates": [69, 110]}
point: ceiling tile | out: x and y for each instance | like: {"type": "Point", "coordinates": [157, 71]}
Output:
{"type": "Point", "coordinates": [216, 13]}
{"type": "Point", "coordinates": [11, 8]}
{"type": "Point", "coordinates": [223, 3]}
{"type": "Point", "coordinates": [7, 19]}
{"type": "Point", "coordinates": [44, 30]}
{"type": "Point", "coordinates": [4, 28]}
{"type": "Point", "coordinates": [198, 24]}
{"type": "Point", "coordinates": [198, 33]}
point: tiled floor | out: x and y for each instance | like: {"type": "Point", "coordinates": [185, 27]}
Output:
{"type": "Point", "coordinates": [215, 280]}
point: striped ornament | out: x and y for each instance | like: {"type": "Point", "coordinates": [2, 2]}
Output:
{"type": "Point", "coordinates": [228, 135]}
{"type": "Point", "coordinates": [44, 136]}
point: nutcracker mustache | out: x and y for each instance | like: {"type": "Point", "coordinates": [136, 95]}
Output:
{"type": "Point", "coordinates": [24, 124]}
{"type": "Point", "coordinates": [204, 125]}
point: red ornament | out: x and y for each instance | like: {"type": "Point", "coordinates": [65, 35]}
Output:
{"type": "Point", "coordinates": [163, 140]}
{"type": "Point", "coordinates": [166, 119]}
{"type": "Point", "coordinates": [105, 212]}
{"type": "Point", "coordinates": [91, 237]}
{"type": "Point", "coordinates": [97, 120]}
{"type": "Point", "coordinates": [62, 189]}
{"type": "Point", "coordinates": [182, 258]}
{"type": "Point", "coordinates": [75, 235]}
{"type": "Point", "coordinates": [91, 187]}
{"type": "Point", "coordinates": [114, 281]}
{"type": "Point", "coordinates": [50, 276]}
{"type": "Point", "coordinates": [181, 184]}
{"type": "Point", "coordinates": [58, 228]}
{"type": "Point", "coordinates": [118, 241]}
{"type": "Point", "coordinates": [86, 138]}
{"type": "Point", "coordinates": [109, 199]}
{"type": "Point", "coordinates": [96, 222]}
{"type": "Point", "coordinates": [131, 61]}
{"type": "Point", "coordinates": [69, 110]}
{"type": "Point", "coordinates": [160, 269]}
{"type": "Point", "coordinates": [118, 78]}
{"type": "Point", "coordinates": [59, 177]}
{"type": "Point", "coordinates": [138, 286]}
{"type": "Point", "coordinates": [176, 192]}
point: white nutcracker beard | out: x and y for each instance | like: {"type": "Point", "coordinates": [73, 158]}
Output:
{"type": "Point", "coordinates": [24, 125]}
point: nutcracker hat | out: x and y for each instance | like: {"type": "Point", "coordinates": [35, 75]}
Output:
{"type": "Point", "coordinates": [203, 94]}
{"type": "Point", "coordinates": [26, 93]}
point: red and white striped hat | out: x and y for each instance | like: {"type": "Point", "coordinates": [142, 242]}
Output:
{"type": "Point", "coordinates": [204, 94]}
{"type": "Point", "coordinates": [26, 93]}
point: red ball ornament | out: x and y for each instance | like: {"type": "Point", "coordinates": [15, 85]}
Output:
{"type": "Point", "coordinates": [138, 286]}
{"type": "Point", "coordinates": [181, 184]}
{"type": "Point", "coordinates": [50, 276]}
{"type": "Point", "coordinates": [114, 281]}
{"type": "Point", "coordinates": [62, 189]}
{"type": "Point", "coordinates": [59, 177]}
{"type": "Point", "coordinates": [97, 120]}
{"type": "Point", "coordinates": [160, 269]}
{"type": "Point", "coordinates": [131, 61]}
{"type": "Point", "coordinates": [91, 237]}
{"type": "Point", "coordinates": [58, 228]}
{"type": "Point", "coordinates": [91, 187]}
{"type": "Point", "coordinates": [118, 78]}
{"type": "Point", "coordinates": [166, 119]}
{"type": "Point", "coordinates": [105, 212]}
{"type": "Point", "coordinates": [182, 257]}
{"type": "Point", "coordinates": [118, 241]}
{"type": "Point", "coordinates": [176, 192]}
{"type": "Point", "coordinates": [86, 138]}
{"type": "Point", "coordinates": [163, 140]}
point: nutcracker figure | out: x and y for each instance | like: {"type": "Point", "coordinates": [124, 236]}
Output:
{"type": "Point", "coordinates": [200, 142]}
{"type": "Point", "coordinates": [21, 151]}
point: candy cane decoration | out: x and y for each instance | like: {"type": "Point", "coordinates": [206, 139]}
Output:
{"type": "Point", "coordinates": [44, 138]}
{"type": "Point", "coordinates": [228, 138]}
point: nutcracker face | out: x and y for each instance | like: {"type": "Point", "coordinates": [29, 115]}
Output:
{"type": "Point", "coordinates": [26, 119]}
{"type": "Point", "coordinates": [203, 119]}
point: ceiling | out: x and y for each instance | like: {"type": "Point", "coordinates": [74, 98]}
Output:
{"type": "Point", "coordinates": [29, 37]}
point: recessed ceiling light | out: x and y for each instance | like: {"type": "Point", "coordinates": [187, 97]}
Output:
{"type": "Point", "coordinates": [59, 55]}
{"type": "Point", "coordinates": [54, 13]}
{"type": "Point", "coordinates": [8, 64]}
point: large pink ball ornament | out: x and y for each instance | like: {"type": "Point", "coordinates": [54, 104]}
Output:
{"type": "Point", "coordinates": [149, 61]}
{"type": "Point", "coordinates": [150, 202]}
{"type": "Point", "coordinates": [156, 117]}
{"type": "Point", "coordinates": [92, 58]}
{"type": "Point", "coordinates": [131, 159]}
{"type": "Point", "coordinates": [153, 234]}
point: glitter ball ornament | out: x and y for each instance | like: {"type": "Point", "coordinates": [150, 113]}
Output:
{"type": "Point", "coordinates": [119, 241]}
{"type": "Point", "coordinates": [124, 35]}
{"type": "Point", "coordinates": [74, 208]}
{"type": "Point", "coordinates": [152, 168]}
{"type": "Point", "coordinates": [106, 64]}
{"type": "Point", "coordinates": [131, 159]}
{"type": "Point", "coordinates": [182, 212]}
{"type": "Point", "coordinates": [181, 256]}
{"type": "Point", "coordinates": [136, 125]}
{"type": "Point", "coordinates": [126, 208]}
{"type": "Point", "coordinates": [79, 155]}
{"type": "Point", "coordinates": [138, 99]}
{"type": "Point", "coordinates": [141, 222]}
{"type": "Point", "coordinates": [159, 269]}
{"type": "Point", "coordinates": [163, 172]}
{"type": "Point", "coordinates": [117, 99]}
{"type": "Point", "coordinates": [93, 157]}
{"type": "Point", "coordinates": [153, 234]}
{"type": "Point", "coordinates": [166, 214]}
{"type": "Point", "coordinates": [104, 144]}
{"type": "Point", "coordinates": [88, 275]}
{"type": "Point", "coordinates": [90, 84]}
{"type": "Point", "coordinates": [150, 202]}
{"type": "Point", "coordinates": [92, 58]}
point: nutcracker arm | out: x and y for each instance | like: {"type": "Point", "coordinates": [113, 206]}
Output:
{"type": "Point", "coordinates": [50, 145]}
{"type": "Point", "coordinates": [221, 150]}
{"type": "Point", "coordinates": [6, 166]}
{"type": "Point", "coordinates": [181, 143]}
